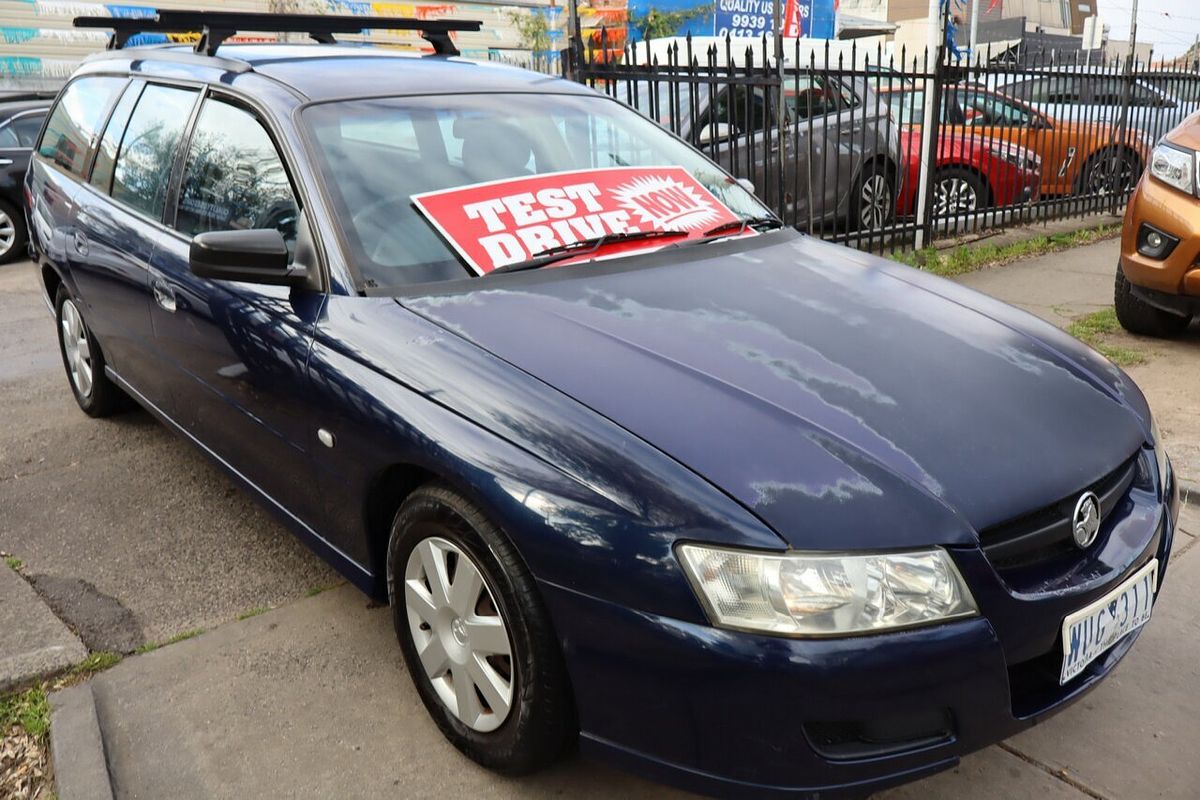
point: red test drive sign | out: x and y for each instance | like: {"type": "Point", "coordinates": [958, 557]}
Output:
{"type": "Point", "coordinates": [504, 222]}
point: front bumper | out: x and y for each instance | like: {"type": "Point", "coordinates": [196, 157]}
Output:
{"type": "Point", "coordinates": [1176, 214]}
{"type": "Point", "coordinates": [737, 714]}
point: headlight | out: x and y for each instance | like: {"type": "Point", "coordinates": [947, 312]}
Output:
{"type": "Point", "coordinates": [1160, 454]}
{"type": "Point", "coordinates": [1174, 167]}
{"type": "Point", "coordinates": [819, 594]}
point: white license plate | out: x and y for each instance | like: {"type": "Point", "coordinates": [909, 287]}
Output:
{"type": "Point", "coordinates": [1090, 631]}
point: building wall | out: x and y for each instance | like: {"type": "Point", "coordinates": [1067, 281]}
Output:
{"type": "Point", "coordinates": [39, 48]}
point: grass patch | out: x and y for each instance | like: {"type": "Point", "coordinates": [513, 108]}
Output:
{"type": "Point", "coordinates": [179, 637]}
{"type": "Point", "coordinates": [254, 612]}
{"type": "Point", "coordinates": [968, 258]}
{"type": "Point", "coordinates": [14, 563]}
{"type": "Point", "coordinates": [1091, 330]}
{"type": "Point", "coordinates": [29, 710]}
{"type": "Point", "coordinates": [316, 590]}
{"type": "Point", "coordinates": [96, 662]}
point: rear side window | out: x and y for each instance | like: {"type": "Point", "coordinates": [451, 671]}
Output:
{"type": "Point", "coordinates": [106, 153]}
{"type": "Point", "coordinates": [148, 148]}
{"type": "Point", "coordinates": [235, 179]}
{"type": "Point", "coordinates": [76, 120]}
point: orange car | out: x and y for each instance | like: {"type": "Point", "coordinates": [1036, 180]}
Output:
{"type": "Point", "coordinates": [1158, 278]}
{"type": "Point", "coordinates": [1077, 157]}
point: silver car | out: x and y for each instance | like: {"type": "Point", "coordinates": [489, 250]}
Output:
{"type": "Point", "coordinates": [841, 150]}
{"type": "Point", "coordinates": [1097, 97]}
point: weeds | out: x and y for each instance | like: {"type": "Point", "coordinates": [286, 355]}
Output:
{"type": "Point", "coordinates": [968, 258]}
{"type": "Point", "coordinates": [1092, 328]}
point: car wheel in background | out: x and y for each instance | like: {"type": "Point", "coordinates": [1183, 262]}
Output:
{"type": "Point", "coordinates": [84, 361]}
{"type": "Point", "coordinates": [1138, 316]}
{"type": "Point", "coordinates": [477, 641]}
{"type": "Point", "coordinates": [874, 198]}
{"type": "Point", "coordinates": [1109, 170]}
{"type": "Point", "coordinates": [957, 191]}
{"type": "Point", "coordinates": [12, 233]}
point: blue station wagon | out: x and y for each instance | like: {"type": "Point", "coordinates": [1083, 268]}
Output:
{"type": "Point", "coordinates": [638, 469]}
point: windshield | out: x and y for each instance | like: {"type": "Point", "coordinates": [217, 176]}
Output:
{"type": "Point", "coordinates": [375, 155]}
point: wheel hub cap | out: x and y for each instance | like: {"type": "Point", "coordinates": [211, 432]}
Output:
{"type": "Point", "coordinates": [8, 233]}
{"type": "Point", "coordinates": [459, 634]}
{"type": "Point", "coordinates": [76, 347]}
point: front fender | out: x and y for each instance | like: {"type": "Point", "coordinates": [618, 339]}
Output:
{"type": "Point", "coordinates": [587, 505]}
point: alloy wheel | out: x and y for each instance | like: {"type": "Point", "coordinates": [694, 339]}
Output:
{"type": "Point", "coordinates": [1104, 176]}
{"type": "Point", "coordinates": [954, 196]}
{"type": "Point", "coordinates": [874, 202]}
{"type": "Point", "coordinates": [77, 348]}
{"type": "Point", "coordinates": [8, 233]}
{"type": "Point", "coordinates": [459, 633]}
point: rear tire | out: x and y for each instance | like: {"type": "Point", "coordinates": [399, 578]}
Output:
{"type": "Point", "coordinates": [1103, 173]}
{"type": "Point", "coordinates": [1138, 316]}
{"type": "Point", "coordinates": [12, 233]}
{"type": "Point", "coordinates": [525, 719]}
{"type": "Point", "coordinates": [84, 360]}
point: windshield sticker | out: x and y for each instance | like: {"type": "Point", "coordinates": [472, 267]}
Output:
{"type": "Point", "coordinates": [506, 222]}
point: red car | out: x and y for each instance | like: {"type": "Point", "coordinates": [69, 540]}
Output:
{"type": "Point", "coordinates": [970, 173]}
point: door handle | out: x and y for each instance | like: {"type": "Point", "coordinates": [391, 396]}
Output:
{"type": "Point", "coordinates": [164, 295]}
{"type": "Point", "coordinates": [6, 162]}
{"type": "Point", "coordinates": [81, 243]}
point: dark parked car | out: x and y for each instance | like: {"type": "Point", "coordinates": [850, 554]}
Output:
{"type": "Point", "coordinates": [635, 466]}
{"type": "Point", "coordinates": [20, 122]}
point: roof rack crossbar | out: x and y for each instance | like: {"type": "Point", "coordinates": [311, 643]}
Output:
{"type": "Point", "coordinates": [215, 27]}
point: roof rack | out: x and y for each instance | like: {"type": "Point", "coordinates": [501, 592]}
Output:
{"type": "Point", "coordinates": [215, 27]}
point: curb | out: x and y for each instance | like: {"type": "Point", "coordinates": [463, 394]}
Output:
{"type": "Point", "coordinates": [77, 747]}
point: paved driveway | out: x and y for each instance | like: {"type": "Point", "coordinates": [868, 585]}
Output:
{"type": "Point", "coordinates": [134, 537]}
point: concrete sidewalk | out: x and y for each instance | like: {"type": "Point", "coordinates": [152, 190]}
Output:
{"type": "Point", "coordinates": [33, 642]}
{"type": "Point", "coordinates": [312, 699]}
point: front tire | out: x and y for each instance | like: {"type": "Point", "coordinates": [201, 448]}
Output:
{"type": "Point", "coordinates": [1138, 316]}
{"type": "Point", "coordinates": [12, 233]}
{"type": "Point", "coordinates": [84, 361]}
{"type": "Point", "coordinates": [958, 191]}
{"type": "Point", "coordinates": [477, 641]}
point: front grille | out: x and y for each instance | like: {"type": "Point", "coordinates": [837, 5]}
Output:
{"type": "Point", "coordinates": [1046, 534]}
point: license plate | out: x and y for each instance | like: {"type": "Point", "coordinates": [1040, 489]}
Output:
{"type": "Point", "coordinates": [1090, 631]}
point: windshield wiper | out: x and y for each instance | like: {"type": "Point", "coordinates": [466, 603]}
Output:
{"type": "Point", "coordinates": [583, 247]}
{"type": "Point", "coordinates": [739, 226]}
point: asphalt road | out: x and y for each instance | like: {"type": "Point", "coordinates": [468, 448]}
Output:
{"type": "Point", "coordinates": [129, 532]}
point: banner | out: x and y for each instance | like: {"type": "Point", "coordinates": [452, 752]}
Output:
{"type": "Point", "coordinates": [801, 18]}
{"type": "Point", "coordinates": [504, 222]}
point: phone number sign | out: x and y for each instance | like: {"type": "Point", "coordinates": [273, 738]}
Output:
{"type": "Point", "coordinates": [753, 17]}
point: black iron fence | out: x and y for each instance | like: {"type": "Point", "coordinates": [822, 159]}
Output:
{"type": "Point", "coordinates": [887, 151]}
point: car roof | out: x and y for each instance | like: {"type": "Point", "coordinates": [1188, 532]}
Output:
{"type": "Point", "coordinates": [329, 71]}
{"type": "Point", "coordinates": [11, 108]}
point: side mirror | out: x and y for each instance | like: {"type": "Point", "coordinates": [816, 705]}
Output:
{"type": "Point", "coordinates": [715, 132]}
{"type": "Point", "coordinates": [252, 256]}
{"type": "Point", "coordinates": [1041, 123]}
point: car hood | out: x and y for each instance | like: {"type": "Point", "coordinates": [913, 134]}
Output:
{"type": "Point", "coordinates": [827, 391]}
